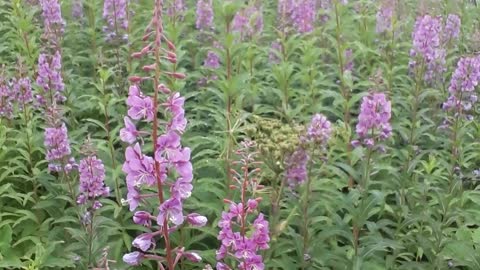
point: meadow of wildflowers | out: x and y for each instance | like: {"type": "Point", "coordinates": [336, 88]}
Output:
{"type": "Point", "coordinates": [249, 135]}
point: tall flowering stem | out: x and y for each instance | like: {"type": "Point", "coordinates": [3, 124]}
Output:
{"type": "Point", "coordinates": [386, 26]}
{"type": "Point", "coordinates": [343, 87]}
{"type": "Point", "coordinates": [51, 82]}
{"type": "Point", "coordinates": [115, 15]}
{"type": "Point", "coordinates": [169, 159]}
{"type": "Point", "coordinates": [91, 176]}
{"type": "Point", "coordinates": [229, 100]}
{"type": "Point", "coordinates": [241, 238]}
{"type": "Point", "coordinates": [116, 29]}
{"type": "Point", "coordinates": [372, 128]}
{"type": "Point", "coordinates": [315, 140]}
{"type": "Point", "coordinates": [461, 102]}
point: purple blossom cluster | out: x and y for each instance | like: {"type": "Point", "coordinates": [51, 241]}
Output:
{"type": "Point", "coordinates": [52, 18]}
{"type": "Point", "coordinates": [7, 99]}
{"type": "Point", "coordinates": [284, 10]}
{"type": "Point", "coordinates": [91, 176]}
{"type": "Point", "coordinates": [384, 15]}
{"type": "Point", "coordinates": [50, 79]}
{"type": "Point", "coordinates": [427, 50]}
{"type": "Point", "coordinates": [318, 133]}
{"type": "Point", "coordinates": [168, 167]}
{"type": "Point", "coordinates": [176, 8]}
{"type": "Point", "coordinates": [248, 21]}
{"type": "Point", "coordinates": [464, 80]}
{"type": "Point", "coordinates": [204, 14]}
{"type": "Point", "coordinates": [212, 60]}
{"type": "Point", "coordinates": [319, 130]}
{"type": "Point", "coordinates": [374, 120]}
{"type": "Point", "coordinates": [241, 238]}
{"type": "Point", "coordinates": [58, 152]}
{"type": "Point", "coordinates": [58, 148]}
{"type": "Point", "coordinates": [16, 92]}
{"type": "Point", "coordinates": [304, 15]}
{"type": "Point", "coordinates": [116, 18]}
{"type": "Point", "coordinates": [301, 15]}
{"type": "Point", "coordinates": [296, 167]}
{"type": "Point", "coordinates": [452, 28]}
{"type": "Point", "coordinates": [430, 39]}
{"type": "Point", "coordinates": [22, 91]}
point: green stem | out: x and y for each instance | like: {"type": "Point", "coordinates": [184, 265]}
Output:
{"type": "Point", "coordinates": [110, 145]}
{"type": "Point", "coordinates": [305, 206]}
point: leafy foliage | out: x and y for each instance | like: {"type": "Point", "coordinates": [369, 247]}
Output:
{"type": "Point", "coordinates": [412, 206]}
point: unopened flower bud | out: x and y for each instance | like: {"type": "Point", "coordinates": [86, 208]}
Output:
{"type": "Point", "coordinates": [135, 79]}
{"type": "Point", "coordinates": [148, 68]}
{"type": "Point", "coordinates": [162, 88]}
{"type": "Point", "coordinates": [170, 45]}
{"type": "Point", "coordinates": [136, 55]}
{"type": "Point", "coordinates": [192, 256]}
{"type": "Point", "coordinates": [176, 75]}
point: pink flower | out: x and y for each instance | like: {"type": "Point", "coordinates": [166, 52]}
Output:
{"type": "Point", "coordinates": [134, 258]}
{"type": "Point", "coordinates": [140, 108]}
{"type": "Point", "coordinates": [143, 241]}
{"type": "Point", "coordinates": [129, 133]}
{"type": "Point", "coordinates": [196, 220]}
{"type": "Point", "coordinates": [142, 218]}
{"type": "Point", "coordinates": [171, 209]}
{"type": "Point", "coordinates": [175, 103]}
{"type": "Point", "coordinates": [138, 167]}
{"type": "Point", "coordinates": [182, 188]}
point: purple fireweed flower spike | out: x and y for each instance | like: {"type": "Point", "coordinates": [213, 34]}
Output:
{"type": "Point", "coordinates": [253, 235]}
{"type": "Point", "coordinates": [374, 120]}
{"type": "Point", "coordinates": [23, 91]}
{"type": "Point", "coordinates": [319, 130]}
{"type": "Point", "coordinates": [385, 15]}
{"type": "Point", "coordinates": [167, 168]}
{"type": "Point", "coordinates": [7, 98]}
{"type": "Point", "coordinates": [303, 15]}
{"type": "Point", "coordinates": [462, 87]}
{"type": "Point", "coordinates": [50, 79]}
{"type": "Point", "coordinates": [296, 167]}
{"type": "Point", "coordinates": [284, 10]}
{"type": "Point", "coordinates": [248, 22]}
{"type": "Point", "coordinates": [204, 14]}
{"type": "Point", "coordinates": [52, 19]}
{"type": "Point", "coordinates": [58, 147]}
{"type": "Point", "coordinates": [428, 50]}
{"type": "Point", "coordinates": [176, 9]}
{"type": "Point", "coordinates": [91, 177]}
{"type": "Point", "coordinates": [116, 18]}
{"type": "Point", "coordinates": [452, 28]}
{"type": "Point", "coordinates": [212, 60]}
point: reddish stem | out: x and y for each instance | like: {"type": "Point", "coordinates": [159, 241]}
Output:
{"type": "Point", "coordinates": [157, 23]}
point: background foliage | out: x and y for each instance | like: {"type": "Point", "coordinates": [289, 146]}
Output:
{"type": "Point", "coordinates": [422, 207]}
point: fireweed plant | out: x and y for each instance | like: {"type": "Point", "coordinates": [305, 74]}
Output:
{"type": "Point", "coordinates": [357, 124]}
{"type": "Point", "coordinates": [244, 231]}
{"type": "Point", "coordinates": [169, 170]}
